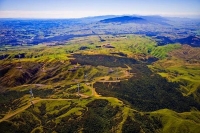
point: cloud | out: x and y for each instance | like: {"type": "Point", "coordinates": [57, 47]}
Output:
{"type": "Point", "coordinates": [38, 14]}
{"type": "Point", "coordinates": [49, 14]}
{"type": "Point", "coordinates": [78, 14]}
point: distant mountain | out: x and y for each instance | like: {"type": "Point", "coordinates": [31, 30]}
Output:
{"type": "Point", "coordinates": [97, 18]}
{"type": "Point", "coordinates": [125, 19]}
{"type": "Point", "coordinates": [137, 19]}
{"type": "Point", "coordinates": [193, 41]}
{"type": "Point", "coordinates": [156, 19]}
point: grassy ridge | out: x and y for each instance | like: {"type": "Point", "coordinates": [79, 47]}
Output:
{"type": "Point", "coordinates": [47, 70]}
{"type": "Point", "coordinates": [187, 122]}
{"type": "Point", "coordinates": [131, 45]}
{"type": "Point", "coordinates": [162, 51]}
{"type": "Point", "coordinates": [183, 67]}
{"type": "Point", "coordinates": [67, 116]}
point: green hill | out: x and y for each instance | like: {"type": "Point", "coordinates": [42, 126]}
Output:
{"type": "Point", "coordinates": [125, 83]}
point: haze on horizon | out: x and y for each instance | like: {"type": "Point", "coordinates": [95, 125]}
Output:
{"type": "Point", "coordinates": [85, 8]}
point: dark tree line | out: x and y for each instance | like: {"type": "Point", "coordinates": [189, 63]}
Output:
{"type": "Point", "coordinates": [102, 60]}
{"type": "Point", "coordinates": [148, 92]}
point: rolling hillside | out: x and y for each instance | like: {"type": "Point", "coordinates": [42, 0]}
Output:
{"type": "Point", "coordinates": [126, 83]}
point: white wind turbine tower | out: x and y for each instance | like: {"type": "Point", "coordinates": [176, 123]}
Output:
{"type": "Point", "coordinates": [78, 88]}
{"type": "Point", "coordinates": [19, 57]}
{"type": "Point", "coordinates": [31, 96]}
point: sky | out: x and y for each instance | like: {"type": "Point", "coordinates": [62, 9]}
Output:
{"type": "Point", "coordinates": [86, 8]}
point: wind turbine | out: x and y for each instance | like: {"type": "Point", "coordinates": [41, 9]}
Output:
{"type": "Point", "coordinates": [31, 93]}
{"type": "Point", "coordinates": [31, 96]}
{"type": "Point", "coordinates": [85, 77]}
{"type": "Point", "coordinates": [19, 57]}
{"type": "Point", "coordinates": [78, 88]}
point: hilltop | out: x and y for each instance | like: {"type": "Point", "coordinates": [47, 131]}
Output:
{"type": "Point", "coordinates": [100, 83]}
{"type": "Point", "coordinates": [124, 19]}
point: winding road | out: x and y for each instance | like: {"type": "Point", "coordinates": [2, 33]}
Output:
{"type": "Point", "coordinates": [94, 93]}
{"type": "Point", "coordinates": [12, 113]}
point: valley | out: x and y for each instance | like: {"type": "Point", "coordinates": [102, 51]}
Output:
{"type": "Point", "coordinates": [107, 74]}
{"type": "Point", "coordinates": [164, 30]}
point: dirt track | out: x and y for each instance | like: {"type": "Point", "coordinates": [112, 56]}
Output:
{"type": "Point", "coordinates": [94, 93]}
{"type": "Point", "coordinates": [9, 115]}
